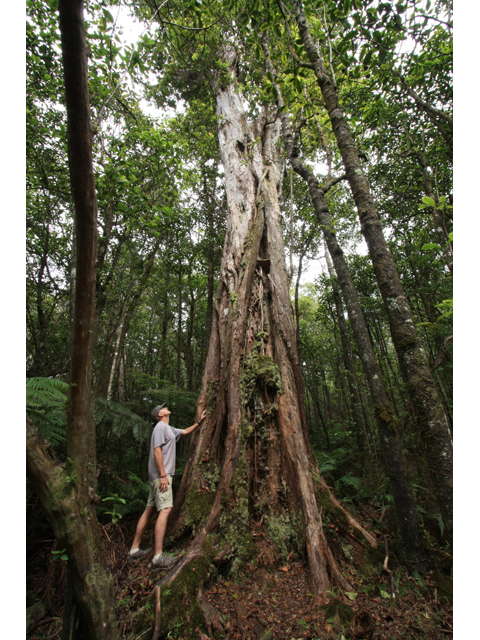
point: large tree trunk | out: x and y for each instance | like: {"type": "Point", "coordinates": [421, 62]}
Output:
{"type": "Point", "coordinates": [255, 433]}
{"type": "Point", "coordinates": [64, 489]}
{"type": "Point", "coordinates": [429, 413]}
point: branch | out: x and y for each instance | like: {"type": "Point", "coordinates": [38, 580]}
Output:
{"type": "Point", "coordinates": [173, 24]}
{"type": "Point", "coordinates": [427, 107]}
{"type": "Point", "coordinates": [298, 60]}
{"type": "Point", "coordinates": [332, 183]}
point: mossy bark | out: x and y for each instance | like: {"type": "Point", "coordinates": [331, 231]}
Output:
{"type": "Point", "coordinates": [74, 522]}
{"type": "Point", "coordinates": [66, 490]}
{"type": "Point", "coordinates": [253, 452]}
{"type": "Point", "coordinates": [429, 413]}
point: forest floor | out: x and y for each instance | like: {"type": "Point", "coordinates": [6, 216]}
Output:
{"type": "Point", "coordinates": [266, 604]}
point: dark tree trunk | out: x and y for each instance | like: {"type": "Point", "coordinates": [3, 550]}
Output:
{"type": "Point", "coordinates": [165, 319]}
{"type": "Point", "coordinates": [37, 368]}
{"type": "Point", "coordinates": [178, 376]}
{"type": "Point", "coordinates": [430, 416]}
{"type": "Point", "coordinates": [356, 407]}
{"type": "Point", "coordinates": [189, 346]}
{"type": "Point", "coordinates": [127, 315]}
{"type": "Point", "coordinates": [395, 463]}
{"type": "Point", "coordinates": [64, 489]}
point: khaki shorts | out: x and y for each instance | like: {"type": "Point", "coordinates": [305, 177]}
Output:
{"type": "Point", "coordinates": [157, 498]}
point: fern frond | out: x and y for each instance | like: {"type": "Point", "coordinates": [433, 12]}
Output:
{"type": "Point", "coordinates": [121, 420]}
{"type": "Point", "coordinates": [46, 402]}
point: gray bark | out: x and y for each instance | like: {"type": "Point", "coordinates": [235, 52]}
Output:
{"type": "Point", "coordinates": [430, 416]}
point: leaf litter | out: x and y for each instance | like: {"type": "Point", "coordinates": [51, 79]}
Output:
{"type": "Point", "coordinates": [264, 604]}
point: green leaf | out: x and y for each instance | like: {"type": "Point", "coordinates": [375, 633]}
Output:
{"type": "Point", "coordinates": [108, 15]}
{"type": "Point", "coordinates": [298, 85]}
{"type": "Point", "coordinates": [352, 595]}
{"type": "Point", "coordinates": [368, 57]}
{"type": "Point", "coordinates": [377, 36]}
{"type": "Point", "coordinates": [346, 6]}
{"type": "Point", "coordinates": [430, 245]}
{"type": "Point", "coordinates": [430, 202]}
{"type": "Point", "coordinates": [441, 524]}
{"type": "Point", "coordinates": [382, 56]}
{"type": "Point", "coordinates": [384, 594]}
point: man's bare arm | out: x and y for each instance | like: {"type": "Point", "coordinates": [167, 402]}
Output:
{"type": "Point", "coordinates": [194, 426]}
{"type": "Point", "coordinates": [157, 453]}
{"type": "Point", "coordinates": [164, 483]}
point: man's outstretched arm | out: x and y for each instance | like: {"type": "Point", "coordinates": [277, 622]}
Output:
{"type": "Point", "coordinates": [194, 426]}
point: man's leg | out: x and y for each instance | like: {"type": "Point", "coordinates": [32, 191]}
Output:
{"type": "Point", "coordinates": [141, 526]}
{"type": "Point", "coordinates": [160, 528]}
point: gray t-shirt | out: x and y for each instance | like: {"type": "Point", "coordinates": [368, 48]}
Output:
{"type": "Point", "coordinates": [166, 437]}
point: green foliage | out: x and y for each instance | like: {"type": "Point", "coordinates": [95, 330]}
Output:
{"type": "Point", "coordinates": [46, 400]}
{"type": "Point", "coordinates": [120, 421]}
{"type": "Point", "coordinates": [59, 555]}
{"type": "Point", "coordinates": [115, 510]}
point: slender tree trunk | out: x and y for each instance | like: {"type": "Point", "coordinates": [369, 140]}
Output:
{"type": "Point", "coordinates": [430, 415]}
{"type": "Point", "coordinates": [64, 489]}
{"type": "Point", "coordinates": [179, 327]}
{"type": "Point", "coordinates": [116, 352]}
{"type": "Point", "coordinates": [438, 219]}
{"type": "Point", "coordinates": [395, 463]}
{"type": "Point", "coordinates": [189, 354]}
{"type": "Point", "coordinates": [126, 316]}
{"type": "Point", "coordinates": [40, 347]}
{"type": "Point", "coordinates": [166, 316]}
{"type": "Point", "coordinates": [357, 415]}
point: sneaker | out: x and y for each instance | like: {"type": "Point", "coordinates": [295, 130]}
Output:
{"type": "Point", "coordinates": [140, 553]}
{"type": "Point", "coordinates": [163, 562]}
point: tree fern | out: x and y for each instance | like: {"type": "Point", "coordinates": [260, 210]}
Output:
{"type": "Point", "coordinates": [46, 400]}
{"type": "Point", "coordinates": [120, 420]}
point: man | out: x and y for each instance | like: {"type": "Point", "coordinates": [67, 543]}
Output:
{"type": "Point", "coordinates": [161, 468]}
